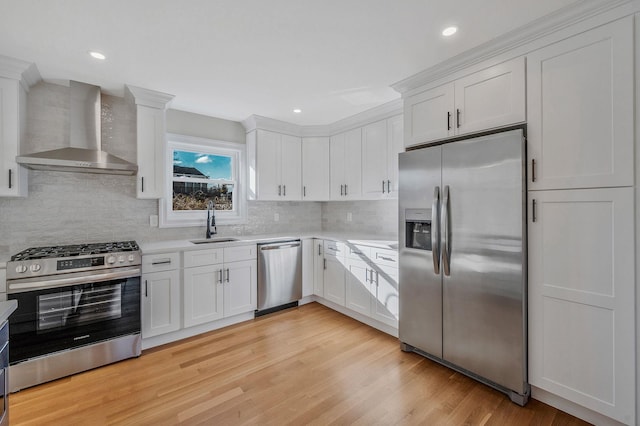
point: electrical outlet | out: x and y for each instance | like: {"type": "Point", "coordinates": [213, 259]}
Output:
{"type": "Point", "coordinates": [153, 221]}
{"type": "Point", "coordinates": [349, 217]}
{"type": "Point", "coordinates": [276, 217]}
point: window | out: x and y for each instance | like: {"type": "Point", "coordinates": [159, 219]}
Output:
{"type": "Point", "coordinates": [199, 171]}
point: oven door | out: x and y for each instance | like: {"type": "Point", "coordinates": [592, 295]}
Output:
{"type": "Point", "coordinates": [54, 319]}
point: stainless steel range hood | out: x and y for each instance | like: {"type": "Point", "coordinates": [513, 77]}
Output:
{"type": "Point", "coordinates": [84, 153]}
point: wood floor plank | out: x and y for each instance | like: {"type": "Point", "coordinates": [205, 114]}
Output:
{"type": "Point", "coordinates": [308, 365]}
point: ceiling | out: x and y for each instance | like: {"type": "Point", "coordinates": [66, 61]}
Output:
{"type": "Point", "coordinates": [234, 58]}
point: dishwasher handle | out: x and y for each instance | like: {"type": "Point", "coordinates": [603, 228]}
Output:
{"type": "Point", "coordinates": [280, 246]}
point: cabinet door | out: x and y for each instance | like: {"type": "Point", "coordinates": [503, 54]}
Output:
{"type": "Point", "coordinates": [307, 267]}
{"type": "Point", "coordinates": [268, 165]}
{"type": "Point", "coordinates": [336, 166]}
{"type": "Point", "coordinates": [240, 287]}
{"type": "Point", "coordinates": [13, 177]}
{"type": "Point", "coordinates": [428, 115]}
{"type": "Point", "coordinates": [491, 98]}
{"type": "Point", "coordinates": [358, 287]}
{"type": "Point", "coordinates": [160, 303]}
{"type": "Point", "coordinates": [395, 145]}
{"type": "Point", "coordinates": [315, 169]}
{"type": "Point", "coordinates": [353, 164]}
{"type": "Point", "coordinates": [385, 301]}
{"type": "Point", "coordinates": [291, 171]}
{"type": "Point", "coordinates": [203, 294]}
{"type": "Point", "coordinates": [581, 298]}
{"type": "Point", "coordinates": [318, 268]}
{"type": "Point", "coordinates": [334, 276]}
{"type": "Point", "coordinates": [580, 107]}
{"type": "Point", "coordinates": [151, 147]}
{"type": "Point", "coordinates": [374, 160]}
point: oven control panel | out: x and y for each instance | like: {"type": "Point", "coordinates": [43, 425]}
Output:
{"type": "Point", "coordinates": [43, 267]}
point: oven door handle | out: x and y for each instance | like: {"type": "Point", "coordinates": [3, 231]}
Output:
{"type": "Point", "coordinates": [62, 282]}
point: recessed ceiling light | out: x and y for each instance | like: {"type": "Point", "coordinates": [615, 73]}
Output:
{"type": "Point", "coordinates": [97, 55]}
{"type": "Point", "coordinates": [449, 31]}
{"type": "Point", "coordinates": [297, 110]}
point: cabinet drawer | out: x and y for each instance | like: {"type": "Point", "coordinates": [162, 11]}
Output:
{"type": "Point", "coordinates": [235, 254]}
{"type": "Point", "coordinates": [334, 249]}
{"type": "Point", "coordinates": [160, 262]}
{"type": "Point", "coordinates": [358, 251]}
{"type": "Point", "coordinates": [384, 257]}
{"type": "Point", "coordinates": [202, 257]}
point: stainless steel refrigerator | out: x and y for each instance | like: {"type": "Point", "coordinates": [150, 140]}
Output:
{"type": "Point", "coordinates": [463, 258]}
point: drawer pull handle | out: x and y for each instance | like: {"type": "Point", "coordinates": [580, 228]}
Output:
{"type": "Point", "coordinates": [386, 258]}
{"type": "Point", "coordinates": [162, 262]}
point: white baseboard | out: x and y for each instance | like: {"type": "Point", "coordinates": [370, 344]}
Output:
{"type": "Point", "coordinates": [163, 339]}
{"type": "Point", "coordinates": [572, 408]}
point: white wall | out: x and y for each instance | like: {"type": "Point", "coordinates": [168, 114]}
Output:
{"type": "Point", "coordinates": [186, 123]}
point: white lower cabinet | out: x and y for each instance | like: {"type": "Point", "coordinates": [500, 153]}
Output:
{"type": "Point", "coordinates": [214, 284]}
{"type": "Point", "coordinates": [307, 267]}
{"type": "Point", "coordinates": [385, 307]}
{"type": "Point", "coordinates": [318, 268]}
{"type": "Point", "coordinates": [160, 302]}
{"type": "Point", "coordinates": [240, 293]}
{"type": "Point", "coordinates": [581, 298]}
{"type": "Point", "coordinates": [334, 280]}
{"type": "Point", "coordinates": [362, 279]}
{"type": "Point", "coordinates": [216, 290]}
{"type": "Point", "coordinates": [358, 287]}
{"type": "Point", "coordinates": [203, 294]}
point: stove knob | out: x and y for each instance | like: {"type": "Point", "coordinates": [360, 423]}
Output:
{"type": "Point", "coordinates": [131, 258]}
{"type": "Point", "coordinates": [111, 260]}
{"type": "Point", "coordinates": [120, 259]}
{"type": "Point", "coordinates": [35, 267]}
{"type": "Point", "coordinates": [21, 269]}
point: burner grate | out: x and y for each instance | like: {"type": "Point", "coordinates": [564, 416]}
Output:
{"type": "Point", "coordinates": [75, 250]}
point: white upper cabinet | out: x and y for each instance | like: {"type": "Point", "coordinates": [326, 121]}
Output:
{"type": "Point", "coordinates": [428, 115]}
{"type": "Point", "coordinates": [315, 169]}
{"type": "Point", "coordinates": [13, 177]}
{"type": "Point", "coordinates": [346, 165]}
{"type": "Point", "coordinates": [580, 107]}
{"type": "Point", "coordinates": [278, 171]}
{"type": "Point", "coordinates": [487, 99]}
{"type": "Point", "coordinates": [151, 109]}
{"type": "Point", "coordinates": [381, 143]}
{"type": "Point", "coordinates": [374, 160]}
{"type": "Point", "coordinates": [15, 79]}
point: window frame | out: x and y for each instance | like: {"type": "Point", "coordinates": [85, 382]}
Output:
{"type": "Point", "coordinates": [189, 218]}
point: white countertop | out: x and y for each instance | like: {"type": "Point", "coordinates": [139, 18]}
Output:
{"type": "Point", "coordinates": [7, 308]}
{"type": "Point", "coordinates": [380, 241]}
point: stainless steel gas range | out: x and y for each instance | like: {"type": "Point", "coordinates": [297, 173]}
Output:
{"type": "Point", "coordinates": [78, 308]}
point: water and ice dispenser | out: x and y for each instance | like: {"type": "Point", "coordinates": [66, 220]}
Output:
{"type": "Point", "coordinates": [418, 228]}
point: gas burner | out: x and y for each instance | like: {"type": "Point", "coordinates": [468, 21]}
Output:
{"type": "Point", "coordinates": [75, 250]}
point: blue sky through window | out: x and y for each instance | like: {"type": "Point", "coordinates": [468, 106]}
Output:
{"type": "Point", "coordinates": [213, 166]}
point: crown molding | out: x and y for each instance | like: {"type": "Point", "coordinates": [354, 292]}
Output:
{"type": "Point", "coordinates": [149, 98]}
{"type": "Point", "coordinates": [372, 115]}
{"type": "Point", "coordinates": [537, 29]}
{"type": "Point", "coordinates": [25, 72]}
{"type": "Point", "coordinates": [378, 113]}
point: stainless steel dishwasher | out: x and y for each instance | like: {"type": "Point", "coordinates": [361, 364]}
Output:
{"type": "Point", "coordinates": [279, 275]}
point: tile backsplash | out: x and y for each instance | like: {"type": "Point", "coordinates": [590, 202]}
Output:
{"type": "Point", "coordinates": [66, 208]}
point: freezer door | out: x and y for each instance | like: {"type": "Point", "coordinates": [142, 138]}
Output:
{"type": "Point", "coordinates": [484, 278]}
{"type": "Point", "coordinates": [420, 283]}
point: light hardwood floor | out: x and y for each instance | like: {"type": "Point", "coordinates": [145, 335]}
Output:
{"type": "Point", "coordinates": [301, 366]}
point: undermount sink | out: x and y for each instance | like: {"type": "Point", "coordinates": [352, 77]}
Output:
{"type": "Point", "coordinates": [214, 240]}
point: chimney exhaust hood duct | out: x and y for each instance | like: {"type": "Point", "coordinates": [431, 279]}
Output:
{"type": "Point", "coordinates": [84, 153]}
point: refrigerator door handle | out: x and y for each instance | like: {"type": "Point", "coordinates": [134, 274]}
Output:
{"type": "Point", "coordinates": [435, 231]}
{"type": "Point", "coordinates": [446, 237]}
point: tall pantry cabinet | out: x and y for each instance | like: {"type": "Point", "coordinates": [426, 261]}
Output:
{"type": "Point", "coordinates": [580, 106]}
